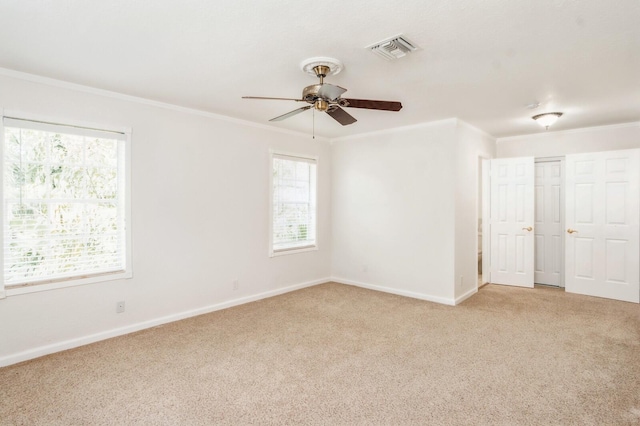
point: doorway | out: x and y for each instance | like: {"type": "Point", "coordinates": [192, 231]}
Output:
{"type": "Point", "coordinates": [549, 222]}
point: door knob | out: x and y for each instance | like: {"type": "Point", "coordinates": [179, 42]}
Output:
{"type": "Point", "coordinates": [571, 231]}
{"type": "Point", "coordinates": [528, 228]}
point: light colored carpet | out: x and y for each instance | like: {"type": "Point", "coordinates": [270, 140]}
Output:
{"type": "Point", "coordinates": [334, 354]}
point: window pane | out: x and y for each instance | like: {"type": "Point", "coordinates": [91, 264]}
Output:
{"type": "Point", "coordinates": [102, 152]}
{"type": "Point", "coordinates": [33, 145]}
{"type": "Point", "coordinates": [67, 149]}
{"type": "Point", "coordinates": [67, 181]}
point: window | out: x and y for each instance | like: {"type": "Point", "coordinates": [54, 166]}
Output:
{"type": "Point", "coordinates": [293, 224]}
{"type": "Point", "coordinates": [65, 210]}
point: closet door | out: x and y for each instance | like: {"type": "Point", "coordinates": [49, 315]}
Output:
{"type": "Point", "coordinates": [549, 213]}
{"type": "Point", "coordinates": [602, 220]}
{"type": "Point", "coordinates": [512, 221]}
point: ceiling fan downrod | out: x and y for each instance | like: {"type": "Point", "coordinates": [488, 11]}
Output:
{"type": "Point", "coordinates": [321, 72]}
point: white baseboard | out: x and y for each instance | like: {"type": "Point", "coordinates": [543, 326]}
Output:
{"type": "Point", "coordinates": [421, 296]}
{"type": "Point", "coordinates": [466, 295]}
{"type": "Point", "coordinates": [107, 334]}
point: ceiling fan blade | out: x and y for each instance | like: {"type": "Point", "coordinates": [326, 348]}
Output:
{"type": "Point", "coordinates": [368, 104]}
{"type": "Point", "coordinates": [331, 92]}
{"type": "Point", "coordinates": [291, 113]}
{"type": "Point", "coordinates": [275, 99]}
{"type": "Point", "coordinates": [341, 116]}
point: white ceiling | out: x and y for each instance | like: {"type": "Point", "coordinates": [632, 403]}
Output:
{"type": "Point", "coordinates": [481, 61]}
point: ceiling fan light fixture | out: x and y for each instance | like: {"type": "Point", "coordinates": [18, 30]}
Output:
{"type": "Point", "coordinates": [321, 105]}
{"type": "Point", "coordinates": [547, 119]}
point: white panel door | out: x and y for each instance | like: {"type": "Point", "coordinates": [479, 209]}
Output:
{"type": "Point", "coordinates": [602, 219]}
{"type": "Point", "coordinates": [549, 212]}
{"type": "Point", "coordinates": [512, 221]}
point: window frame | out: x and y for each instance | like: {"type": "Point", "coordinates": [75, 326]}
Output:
{"type": "Point", "coordinates": [293, 250]}
{"type": "Point", "coordinates": [56, 283]}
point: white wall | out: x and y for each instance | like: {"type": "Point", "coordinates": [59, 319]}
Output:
{"type": "Point", "coordinates": [552, 144]}
{"type": "Point", "coordinates": [393, 198]}
{"type": "Point", "coordinates": [472, 144]}
{"type": "Point", "coordinates": [200, 202]}
{"type": "Point", "coordinates": [397, 212]}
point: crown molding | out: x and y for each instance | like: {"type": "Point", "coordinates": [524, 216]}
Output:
{"type": "Point", "coordinates": [396, 129]}
{"type": "Point", "coordinates": [33, 78]}
{"type": "Point", "coordinates": [475, 129]}
{"type": "Point", "coordinates": [455, 121]}
{"type": "Point", "coordinates": [569, 132]}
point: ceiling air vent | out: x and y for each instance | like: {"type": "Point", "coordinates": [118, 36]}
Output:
{"type": "Point", "coordinates": [393, 48]}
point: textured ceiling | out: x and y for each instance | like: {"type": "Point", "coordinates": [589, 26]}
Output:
{"type": "Point", "coordinates": [482, 62]}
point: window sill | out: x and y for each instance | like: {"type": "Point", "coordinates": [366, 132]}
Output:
{"type": "Point", "coordinates": [64, 283]}
{"type": "Point", "coordinates": [293, 250]}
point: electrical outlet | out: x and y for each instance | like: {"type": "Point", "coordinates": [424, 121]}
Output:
{"type": "Point", "coordinates": [120, 307]}
{"type": "Point", "coordinates": [236, 285]}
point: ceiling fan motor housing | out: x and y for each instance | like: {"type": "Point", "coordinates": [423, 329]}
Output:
{"type": "Point", "coordinates": [310, 93]}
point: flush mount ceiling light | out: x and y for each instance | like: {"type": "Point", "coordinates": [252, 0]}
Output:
{"type": "Point", "coordinates": [547, 119]}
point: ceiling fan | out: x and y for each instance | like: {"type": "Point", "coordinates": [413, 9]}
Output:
{"type": "Point", "coordinates": [326, 97]}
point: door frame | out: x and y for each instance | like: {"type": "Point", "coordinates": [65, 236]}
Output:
{"type": "Point", "coordinates": [485, 163]}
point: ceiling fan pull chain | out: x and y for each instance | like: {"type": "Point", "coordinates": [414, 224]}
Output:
{"type": "Point", "coordinates": [313, 126]}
